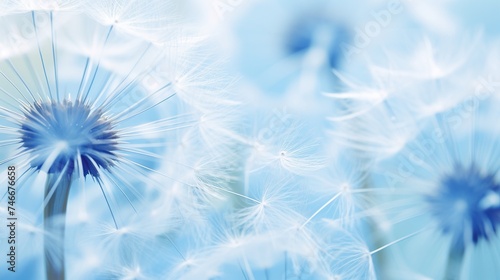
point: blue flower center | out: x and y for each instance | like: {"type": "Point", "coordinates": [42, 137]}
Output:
{"type": "Point", "coordinates": [62, 136]}
{"type": "Point", "coordinates": [319, 32]}
{"type": "Point", "coordinates": [467, 205]}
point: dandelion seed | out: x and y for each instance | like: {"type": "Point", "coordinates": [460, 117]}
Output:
{"type": "Point", "coordinates": [286, 150]}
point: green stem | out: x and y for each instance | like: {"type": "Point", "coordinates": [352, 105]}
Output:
{"type": "Point", "coordinates": [455, 261]}
{"type": "Point", "coordinates": [54, 224]}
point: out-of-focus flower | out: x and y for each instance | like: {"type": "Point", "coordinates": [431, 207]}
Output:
{"type": "Point", "coordinates": [442, 199]}
{"type": "Point", "coordinates": [287, 48]}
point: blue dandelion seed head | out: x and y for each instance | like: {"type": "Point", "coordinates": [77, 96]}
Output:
{"type": "Point", "coordinates": [81, 134]}
{"type": "Point", "coordinates": [309, 31]}
{"type": "Point", "coordinates": [467, 205]}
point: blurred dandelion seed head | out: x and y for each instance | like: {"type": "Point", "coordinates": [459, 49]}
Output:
{"type": "Point", "coordinates": [78, 134]}
{"type": "Point", "coordinates": [314, 32]}
{"type": "Point", "coordinates": [467, 205]}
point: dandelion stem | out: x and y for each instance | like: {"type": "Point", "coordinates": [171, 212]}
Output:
{"type": "Point", "coordinates": [57, 187]}
{"type": "Point", "coordinates": [94, 75]}
{"type": "Point", "coordinates": [455, 260]}
{"type": "Point", "coordinates": [321, 209]}
{"type": "Point", "coordinates": [175, 247]}
{"type": "Point", "coordinates": [248, 270]}
{"type": "Point", "coordinates": [54, 55]}
{"type": "Point", "coordinates": [243, 272]}
{"type": "Point", "coordinates": [41, 55]}
{"type": "Point", "coordinates": [397, 241]}
{"type": "Point", "coordinates": [286, 268]}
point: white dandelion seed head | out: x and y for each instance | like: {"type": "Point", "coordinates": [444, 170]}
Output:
{"type": "Point", "coordinates": [273, 204]}
{"type": "Point", "coordinates": [347, 256]}
{"type": "Point", "coordinates": [379, 134]}
{"type": "Point", "coordinates": [283, 148]}
{"type": "Point", "coordinates": [155, 21]}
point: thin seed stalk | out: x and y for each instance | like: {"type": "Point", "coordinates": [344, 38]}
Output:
{"type": "Point", "coordinates": [54, 224]}
{"type": "Point", "coordinates": [455, 262]}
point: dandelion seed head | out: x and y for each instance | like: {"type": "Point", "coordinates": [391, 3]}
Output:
{"type": "Point", "coordinates": [79, 133]}
{"type": "Point", "coordinates": [149, 21]}
{"type": "Point", "coordinates": [467, 204]}
{"type": "Point", "coordinates": [347, 254]}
